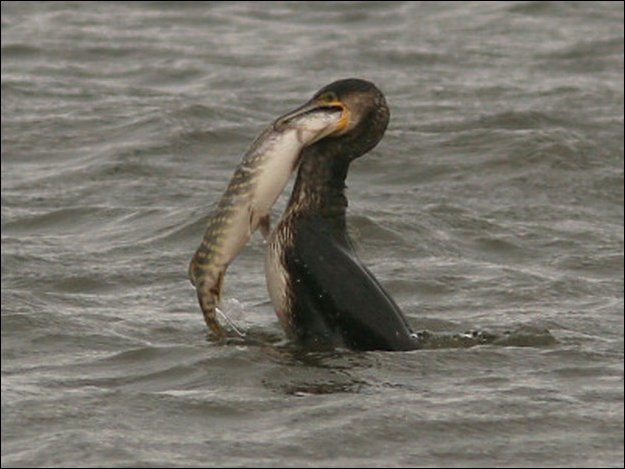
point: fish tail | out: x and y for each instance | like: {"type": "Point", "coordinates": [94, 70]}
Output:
{"type": "Point", "coordinates": [208, 295]}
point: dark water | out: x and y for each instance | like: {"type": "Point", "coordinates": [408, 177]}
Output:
{"type": "Point", "coordinates": [494, 203]}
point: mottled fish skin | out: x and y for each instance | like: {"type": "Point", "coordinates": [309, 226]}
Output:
{"type": "Point", "coordinates": [246, 205]}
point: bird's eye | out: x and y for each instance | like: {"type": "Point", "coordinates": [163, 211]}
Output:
{"type": "Point", "coordinates": [328, 97]}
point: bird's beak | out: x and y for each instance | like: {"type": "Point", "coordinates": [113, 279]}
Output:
{"type": "Point", "coordinates": [316, 106]}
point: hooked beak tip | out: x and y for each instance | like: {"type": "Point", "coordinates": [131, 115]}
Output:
{"type": "Point", "coordinates": [309, 107]}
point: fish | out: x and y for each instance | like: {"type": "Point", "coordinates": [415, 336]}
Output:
{"type": "Point", "coordinates": [246, 204]}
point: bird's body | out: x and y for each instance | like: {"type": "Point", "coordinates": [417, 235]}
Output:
{"type": "Point", "coordinates": [322, 293]}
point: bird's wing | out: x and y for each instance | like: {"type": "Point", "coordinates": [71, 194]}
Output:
{"type": "Point", "coordinates": [332, 287]}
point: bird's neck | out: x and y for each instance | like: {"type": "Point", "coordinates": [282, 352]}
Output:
{"type": "Point", "coordinates": [319, 189]}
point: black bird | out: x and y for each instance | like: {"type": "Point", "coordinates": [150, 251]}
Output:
{"type": "Point", "coordinates": [322, 293]}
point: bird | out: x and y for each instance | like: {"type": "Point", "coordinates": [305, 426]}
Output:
{"type": "Point", "coordinates": [322, 293]}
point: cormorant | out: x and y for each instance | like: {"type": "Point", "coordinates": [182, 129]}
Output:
{"type": "Point", "coordinates": [322, 293]}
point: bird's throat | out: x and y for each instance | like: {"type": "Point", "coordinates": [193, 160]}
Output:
{"type": "Point", "coordinates": [320, 185]}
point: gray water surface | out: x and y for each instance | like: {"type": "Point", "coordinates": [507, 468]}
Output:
{"type": "Point", "coordinates": [494, 204]}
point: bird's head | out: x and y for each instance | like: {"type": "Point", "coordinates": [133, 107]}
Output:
{"type": "Point", "coordinates": [364, 115]}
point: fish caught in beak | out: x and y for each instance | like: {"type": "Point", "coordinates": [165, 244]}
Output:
{"type": "Point", "coordinates": [255, 185]}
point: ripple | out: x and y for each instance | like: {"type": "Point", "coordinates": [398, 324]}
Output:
{"type": "Point", "coordinates": [492, 212]}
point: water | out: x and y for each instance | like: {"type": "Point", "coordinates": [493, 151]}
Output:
{"type": "Point", "coordinates": [494, 203]}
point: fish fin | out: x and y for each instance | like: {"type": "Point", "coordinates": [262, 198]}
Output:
{"type": "Point", "coordinates": [253, 222]}
{"type": "Point", "coordinates": [192, 271]}
{"type": "Point", "coordinates": [264, 224]}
